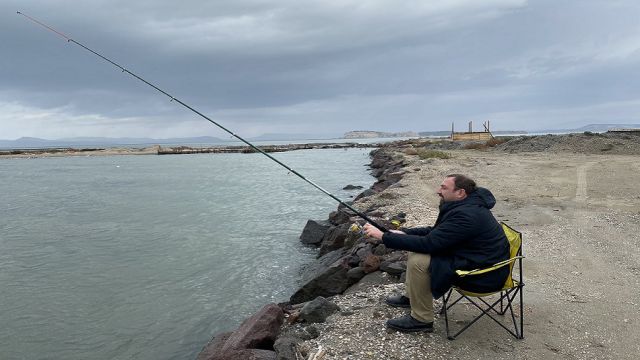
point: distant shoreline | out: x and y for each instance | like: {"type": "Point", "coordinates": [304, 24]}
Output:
{"type": "Point", "coordinates": [172, 150]}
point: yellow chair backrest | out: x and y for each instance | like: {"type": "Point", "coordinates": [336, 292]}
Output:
{"type": "Point", "coordinates": [515, 243]}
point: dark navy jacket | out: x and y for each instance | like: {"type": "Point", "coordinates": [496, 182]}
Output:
{"type": "Point", "coordinates": [465, 236]}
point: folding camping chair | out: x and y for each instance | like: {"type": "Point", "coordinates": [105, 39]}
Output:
{"type": "Point", "coordinates": [508, 293]}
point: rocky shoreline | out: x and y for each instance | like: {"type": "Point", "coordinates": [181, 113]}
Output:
{"type": "Point", "coordinates": [344, 259]}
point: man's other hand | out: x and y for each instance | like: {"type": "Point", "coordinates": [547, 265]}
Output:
{"type": "Point", "coordinates": [372, 232]}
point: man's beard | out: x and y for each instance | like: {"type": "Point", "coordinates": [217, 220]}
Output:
{"type": "Point", "coordinates": [441, 201]}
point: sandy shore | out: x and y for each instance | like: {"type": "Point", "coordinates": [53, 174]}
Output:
{"type": "Point", "coordinates": [580, 219]}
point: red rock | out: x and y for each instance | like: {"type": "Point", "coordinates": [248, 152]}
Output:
{"type": "Point", "coordinates": [371, 263]}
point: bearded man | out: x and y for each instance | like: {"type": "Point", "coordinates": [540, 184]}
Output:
{"type": "Point", "coordinates": [465, 236]}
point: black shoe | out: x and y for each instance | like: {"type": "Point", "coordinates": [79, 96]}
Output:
{"type": "Point", "coordinates": [408, 324]}
{"type": "Point", "coordinates": [399, 301]}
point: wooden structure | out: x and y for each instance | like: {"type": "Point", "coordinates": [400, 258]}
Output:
{"type": "Point", "coordinates": [471, 135]}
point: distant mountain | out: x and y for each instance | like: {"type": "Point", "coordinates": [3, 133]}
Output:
{"type": "Point", "coordinates": [605, 127]}
{"type": "Point", "coordinates": [434, 133]}
{"type": "Point", "coordinates": [366, 134]}
{"type": "Point", "coordinates": [286, 137]}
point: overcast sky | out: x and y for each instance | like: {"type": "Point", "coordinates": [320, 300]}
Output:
{"type": "Point", "coordinates": [325, 67]}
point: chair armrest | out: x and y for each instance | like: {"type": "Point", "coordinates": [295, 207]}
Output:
{"type": "Point", "coordinates": [463, 273]}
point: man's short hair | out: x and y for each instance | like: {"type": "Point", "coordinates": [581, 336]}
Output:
{"type": "Point", "coordinates": [463, 182]}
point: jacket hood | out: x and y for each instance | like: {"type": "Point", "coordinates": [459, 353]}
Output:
{"type": "Point", "coordinates": [482, 197]}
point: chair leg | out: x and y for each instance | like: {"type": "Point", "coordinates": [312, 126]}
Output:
{"type": "Point", "coordinates": [509, 296]}
{"type": "Point", "coordinates": [521, 312]}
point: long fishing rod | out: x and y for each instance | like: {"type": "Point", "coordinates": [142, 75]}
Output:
{"type": "Point", "coordinates": [365, 217]}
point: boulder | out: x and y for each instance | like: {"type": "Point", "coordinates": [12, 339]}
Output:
{"type": "Point", "coordinates": [393, 268]}
{"type": "Point", "coordinates": [321, 265]}
{"type": "Point", "coordinates": [365, 193]}
{"type": "Point", "coordinates": [245, 354]}
{"type": "Point", "coordinates": [352, 261]}
{"type": "Point", "coordinates": [379, 186]}
{"type": "Point", "coordinates": [317, 310]}
{"type": "Point", "coordinates": [356, 274]}
{"type": "Point", "coordinates": [352, 238]}
{"type": "Point", "coordinates": [304, 333]}
{"type": "Point", "coordinates": [363, 250]}
{"type": "Point", "coordinates": [340, 217]}
{"type": "Point", "coordinates": [380, 250]}
{"type": "Point", "coordinates": [213, 346]}
{"type": "Point", "coordinates": [314, 231]}
{"type": "Point", "coordinates": [332, 281]}
{"type": "Point", "coordinates": [334, 238]}
{"type": "Point", "coordinates": [286, 347]}
{"type": "Point", "coordinates": [253, 339]}
{"type": "Point", "coordinates": [257, 332]}
{"type": "Point", "coordinates": [352, 187]}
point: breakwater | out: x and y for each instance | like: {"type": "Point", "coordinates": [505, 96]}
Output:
{"type": "Point", "coordinates": [175, 150]}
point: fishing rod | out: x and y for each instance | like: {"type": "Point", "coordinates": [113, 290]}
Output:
{"type": "Point", "coordinates": [124, 70]}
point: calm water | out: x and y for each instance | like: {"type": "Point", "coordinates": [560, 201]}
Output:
{"type": "Point", "coordinates": [145, 257]}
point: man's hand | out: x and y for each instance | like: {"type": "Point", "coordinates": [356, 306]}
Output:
{"type": "Point", "coordinates": [372, 232]}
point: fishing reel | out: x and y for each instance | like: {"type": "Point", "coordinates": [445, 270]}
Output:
{"type": "Point", "coordinates": [357, 228]}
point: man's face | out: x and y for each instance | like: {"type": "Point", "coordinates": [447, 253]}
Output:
{"type": "Point", "coordinates": [448, 192]}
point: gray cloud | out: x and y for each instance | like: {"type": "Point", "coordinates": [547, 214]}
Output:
{"type": "Point", "coordinates": [317, 66]}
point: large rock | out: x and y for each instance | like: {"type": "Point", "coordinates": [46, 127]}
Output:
{"type": "Point", "coordinates": [286, 347]}
{"type": "Point", "coordinates": [380, 185]}
{"type": "Point", "coordinates": [314, 231]}
{"type": "Point", "coordinates": [253, 339]}
{"type": "Point", "coordinates": [352, 187]}
{"type": "Point", "coordinates": [365, 193]}
{"type": "Point", "coordinates": [259, 331]}
{"type": "Point", "coordinates": [340, 217]}
{"type": "Point", "coordinates": [380, 250]}
{"type": "Point", "coordinates": [356, 274]}
{"type": "Point", "coordinates": [362, 250]}
{"type": "Point", "coordinates": [394, 268]}
{"type": "Point", "coordinates": [334, 238]}
{"type": "Point", "coordinates": [318, 310]}
{"type": "Point", "coordinates": [332, 281]}
{"type": "Point", "coordinates": [245, 354]}
{"type": "Point", "coordinates": [321, 265]}
{"type": "Point", "coordinates": [213, 346]}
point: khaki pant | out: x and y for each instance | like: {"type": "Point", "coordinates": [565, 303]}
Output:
{"type": "Point", "coordinates": [419, 286]}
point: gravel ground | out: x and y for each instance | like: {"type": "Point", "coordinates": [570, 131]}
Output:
{"type": "Point", "coordinates": [580, 219]}
{"type": "Point", "coordinates": [584, 143]}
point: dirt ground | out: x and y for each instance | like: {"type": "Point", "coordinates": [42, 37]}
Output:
{"type": "Point", "coordinates": [580, 219]}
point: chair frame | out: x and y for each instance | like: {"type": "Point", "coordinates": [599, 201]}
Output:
{"type": "Point", "coordinates": [507, 294]}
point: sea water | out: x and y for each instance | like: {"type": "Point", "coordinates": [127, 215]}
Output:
{"type": "Point", "coordinates": [146, 257]}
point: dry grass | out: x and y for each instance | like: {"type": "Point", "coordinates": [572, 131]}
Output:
{"type": "Point", "coordinates": [432, 154]}
{"type": "Point", "coordinates": [488, 144]}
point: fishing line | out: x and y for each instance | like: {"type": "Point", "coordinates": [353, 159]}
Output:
{"type": "Point", "coordinates": [174, 99]}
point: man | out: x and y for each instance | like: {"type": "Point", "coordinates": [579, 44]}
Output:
{"type": "Point", "coordinates": [465, 236]}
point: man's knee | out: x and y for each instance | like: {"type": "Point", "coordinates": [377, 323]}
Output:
{"type": "Point", "coordinates": [417, 261]}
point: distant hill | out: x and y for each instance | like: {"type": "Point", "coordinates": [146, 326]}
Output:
{"type": "Point", "coordinates": [365, 134]}
{"type": "Point", "coordinates": [605, 127]}
{"type": "Point", "coordinates": [286, 137]}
